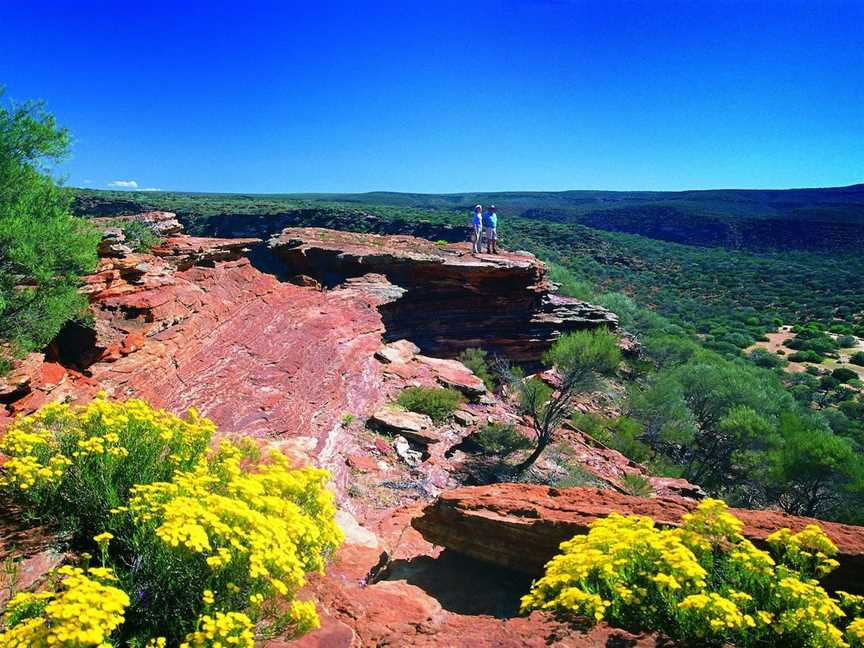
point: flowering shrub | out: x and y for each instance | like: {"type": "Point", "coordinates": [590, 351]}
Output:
{"type": "Point", "coordinates": [702, 581]}
{"type": "Point", "coordinates": [229, 537]}
{"type": "Point", "coordinates": [208, 549]}
{"type": "Point", "coordinates": [73, 464]}
{"type": "Point", "coordinates": [86, 610]}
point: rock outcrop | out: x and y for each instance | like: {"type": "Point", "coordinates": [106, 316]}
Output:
{"type": "Point", "coordinates": [452, 299]}
{"type": "Point", "coordinates": [520, 526]}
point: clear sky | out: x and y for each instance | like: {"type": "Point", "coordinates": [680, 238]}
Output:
{"type": "Point", "coordinates": [438, 96]}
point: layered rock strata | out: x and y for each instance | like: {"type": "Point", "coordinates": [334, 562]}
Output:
{"type": "Point", "coordinates": [452, 299]}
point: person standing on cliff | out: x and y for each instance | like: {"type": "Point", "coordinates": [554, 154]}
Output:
{"type": "Point", "coordinates": [490, 222]}
{"type": "Point", "coordinates": [477, 231]}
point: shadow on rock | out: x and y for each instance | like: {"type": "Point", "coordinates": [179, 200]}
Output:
{"type": "Point", "coordinates": [463, 585]}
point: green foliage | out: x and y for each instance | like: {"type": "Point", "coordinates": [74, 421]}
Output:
{"type": "Point", "coordinates": [476, 360]}
{"type": "Point", "coordinates": [842, 374]}
{"type": "Point", "coordinates": [501, 440]}
{"type": "Point", "coordinates": [436, 402]}
{"type": "Point", "coordinates": [622, 434]}
{"type": "Point", "coordinates": [847, 341]}
{"type": "Point", "coordinates": [581, 359]}
{"type": "Point", "coordinates": [767, 360]}
{"type": "Point", "coordinates": [44, 250]}
{"type": "Point", "coordinates": [139, 236]}
{"type": "Point", "coordinates": [857, 358]}
{"type": "Point", "coordinates": [637, 485]}
{"type": "Point", "coordinates": [347, 419]}
{"type": "Point", "coordinates": [806, 356]}
{"type": "Point", "coordinates": [585, 352]}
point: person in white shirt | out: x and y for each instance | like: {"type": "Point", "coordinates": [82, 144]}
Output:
{"type": "Point", "coordinates": [477, 229]}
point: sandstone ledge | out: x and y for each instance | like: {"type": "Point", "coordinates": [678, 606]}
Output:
{"type": "Point", "coordinates": [520, 526]}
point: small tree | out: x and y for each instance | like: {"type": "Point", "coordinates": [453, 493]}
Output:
{"type": "Point", "coordinates": [44, 250]}
{"type": "Point", "coordinates": [581, 359]}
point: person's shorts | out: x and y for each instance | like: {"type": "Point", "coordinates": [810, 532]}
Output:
{"type": "Point", "coordinates": [492, 233]}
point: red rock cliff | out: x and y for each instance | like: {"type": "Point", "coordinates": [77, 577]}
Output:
{"type": "Point", "coordinates": [452, 299]}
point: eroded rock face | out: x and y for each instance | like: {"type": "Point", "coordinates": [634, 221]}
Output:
{"type": "Point", "coordinates": [453, 299]}
{"type": "Point", "coordinates": [521, 526]}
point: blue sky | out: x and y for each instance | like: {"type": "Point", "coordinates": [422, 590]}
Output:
{"type": "Point", "coordinates": [447, 96]}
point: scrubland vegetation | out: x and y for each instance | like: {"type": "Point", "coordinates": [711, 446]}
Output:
{"type": "Point", "coordinates": [176, 544]}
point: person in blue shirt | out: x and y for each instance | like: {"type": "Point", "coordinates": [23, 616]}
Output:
{"type": "Point", "coordinates": [477, 229]}
{"type": "Point", "coordinates": [490, 222]}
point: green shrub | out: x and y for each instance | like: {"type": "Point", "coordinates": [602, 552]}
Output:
{"type": "Point", "coordinates": [192, 545]}
{"type": "Point", "coordinates": [765, 359]}
{"type": "Point", "coordinates": [637, 485]}
{"type": "Point", "coordinates": [436, 402]}
{"type": "Point", "coordinates": [621, 434]}
{"type": "Point", "coordinates": [138, 235]}
{"type": "Point", "coordinates": [857, 358]}
{"type": "Point", "coordinates": [806, 356]}
{"type": "Point", "coordinates": [476, 361]}
{"type": "Point", "coordinates": [44, 250]}
{"type": "Point", "coordinates": [842, 374]}
{"type": "Point", "coordinates": [703, 584]}
{"type": "Point", "coordinates": [501, 440]}
{"type": "Point", "coordinates": [847, 341]}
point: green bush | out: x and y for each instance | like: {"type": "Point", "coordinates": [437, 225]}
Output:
{"type": "Point", "coordinates": [501, 440]}
{"type": "Point", "coordinates": [138, 235]}
{"type": "Point", "coordinates": [621, 434]}
{"type": "Point", "coordinates": [44, 250]}
{"type": "Point", "coordinates": [637, 485]}
{"type": "Point", "coordinates": [436, 402]}
{"type": "Point", "coordinates": [765, 359]}
{"type": "Point", "coordinates": [476, 361]}
{"type": "Point", "coordinates": [842, 374]}
{"type": "Point", "coordinates": [857, 358]}
{"type": "Point", "coordinates": [806, 356]}
{"type": "Point", "coordinates": [847, 341]}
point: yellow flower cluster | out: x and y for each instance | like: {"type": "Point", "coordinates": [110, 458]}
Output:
{"type": "Point", "coordinates": [41, 447]}
{"type": "Point", "coordinates": [855, 633]}
{"type": "Point", "coordinates": [261, 528]}
{"type": "Point", "coordinates": [84, 612]}
{"type": "Point", "coordinates": [809, 551]}
{"type": "Point", "coordinates": [222, 629]}
{"type": "Point", "coordinates": [620, 562]}
{"type": "Point", "coordinates": [702, 581]}
{"type": "Point", "coordinates": [712, 614]}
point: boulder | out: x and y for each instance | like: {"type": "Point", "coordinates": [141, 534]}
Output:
{"type": "Point", "coordinates": [520, 526]}
{"type": "Point", "coordinates": [455, 375]}
{"type": "Point", "coordinates": [413, 426]}
{"type": "Point", "coordinates": [400, 352]}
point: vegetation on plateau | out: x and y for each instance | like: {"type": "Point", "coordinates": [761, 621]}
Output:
{"type": "Point", "coordinates": [703, 582]}
{"type": "Point", "coordinates": [178, 544]}
{"type": "Point", "coordinates": [701, 402]}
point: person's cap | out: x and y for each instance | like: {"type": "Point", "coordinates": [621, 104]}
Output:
{"type": "Point", "coordinates": [492, 207]}
{"type": "Point", "coordinates": [478, 206]}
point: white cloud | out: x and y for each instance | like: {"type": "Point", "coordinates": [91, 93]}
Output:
{"type": "Point", "coordinates": [151, 189]}
{"type": "Point", "coordinates": [123, 184]}
{"type": "Point", "coordinates": [86, 182]}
